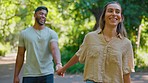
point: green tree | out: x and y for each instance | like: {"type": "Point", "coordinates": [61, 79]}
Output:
{"type": "Point", "coordinates": [71, 19]}
{"type": "Point", "coordinates": [82, 10]}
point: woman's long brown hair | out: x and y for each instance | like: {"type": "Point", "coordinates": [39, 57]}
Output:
{"type": "Point", "coordinates": [120, 27]}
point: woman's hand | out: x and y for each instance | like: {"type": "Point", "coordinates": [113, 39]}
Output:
{"type": "Point", "coordinates": [127, 78]}
{"type": "Point", "coordinates": [61, 71]}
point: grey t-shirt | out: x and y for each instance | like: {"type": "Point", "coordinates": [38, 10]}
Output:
{"type": "Point", "coordinates": [38, 53]}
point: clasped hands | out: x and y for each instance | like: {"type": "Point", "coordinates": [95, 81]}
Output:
{"type": "Point", "coordinates": [60, 70]}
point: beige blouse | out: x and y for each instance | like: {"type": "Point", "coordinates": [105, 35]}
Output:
{"type": "Point", "coordinates": [106, 62]}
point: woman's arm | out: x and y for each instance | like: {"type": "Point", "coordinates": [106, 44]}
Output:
{"type": "Point", "coordinates": [127, 78]}
{"type": "Point", "coordinates": [71, 62]}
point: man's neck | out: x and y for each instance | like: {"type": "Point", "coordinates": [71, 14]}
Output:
{"type": "Point", "coordinates": [38, 27]}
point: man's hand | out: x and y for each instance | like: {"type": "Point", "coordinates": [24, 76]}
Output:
{"type": "Point", "coordinates": [58, 67]}
{"type": "Point", "coordinates": [60, 71]}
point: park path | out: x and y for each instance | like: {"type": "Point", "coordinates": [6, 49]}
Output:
{"type": "Point", "coordinates": [7, 69]}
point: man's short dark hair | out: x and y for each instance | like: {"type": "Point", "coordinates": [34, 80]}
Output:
{"type": "Point", "coordinates": [41, 8]}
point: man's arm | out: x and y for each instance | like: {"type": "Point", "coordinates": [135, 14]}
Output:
{"type": "Point", "coordinates": [56, 54]}
{"type": "Point", "coordinates": [127, 78]}
{"type": "Point", "coordinates": [19, 63]}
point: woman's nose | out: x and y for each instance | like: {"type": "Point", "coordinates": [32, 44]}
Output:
{"type": "Point", "coordinates": [114, 12]}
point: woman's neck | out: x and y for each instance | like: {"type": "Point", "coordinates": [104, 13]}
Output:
{"type": "Point", "coordinates": [109, 31]}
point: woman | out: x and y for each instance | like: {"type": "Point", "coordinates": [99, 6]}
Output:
{"type": "Point", "coordinates": [106, 52]}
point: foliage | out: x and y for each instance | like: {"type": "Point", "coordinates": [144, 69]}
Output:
{"type": "Point", "coordinates": [72, 19]}
{"type": "Point", "coordinates": [70, 47]}
{"type": "Point", "coordinates": [16, 15]}
{"type": "Point", "coordinates": [141, 60]}
{"type": "Point", "coordinates": [4, 49]}
{"type": "Point", "coordinates": [84, 9]}
{"type": "Point", "coordinates": [142, 51]}
{"type": "Point", "coordinates": [144, 31]}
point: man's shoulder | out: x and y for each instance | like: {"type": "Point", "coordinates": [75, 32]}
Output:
{"type": "Point", "coordinates": [50, 30]}
{"type": "Point", "coordinates": [26, 29]}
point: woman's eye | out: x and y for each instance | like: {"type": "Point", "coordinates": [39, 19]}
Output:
{"type": "Point", "coordinates": [117, 11]}
{"type": "Point", "coordinates": [110, 10]}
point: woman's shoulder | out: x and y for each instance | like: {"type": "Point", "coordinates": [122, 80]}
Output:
{"type": "Point", "coordinates": [126, 40]}
{"type": "Point", "coordinates": [91, 33]}
{"type": "Point", "coordinates": [90, 36]}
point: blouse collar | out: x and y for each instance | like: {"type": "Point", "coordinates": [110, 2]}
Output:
{"type": "Point", "coordinates": [99, 31]}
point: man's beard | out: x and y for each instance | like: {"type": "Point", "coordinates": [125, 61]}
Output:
{"type": "Point", "coordinates": [38, 21]}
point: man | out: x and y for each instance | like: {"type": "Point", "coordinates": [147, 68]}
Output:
{"type": "Point", "coordinates": [41, 46]}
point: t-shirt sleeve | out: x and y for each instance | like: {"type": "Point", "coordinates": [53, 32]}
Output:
{"type": "Point", "coordinates": [128, 59]}
{"type": "Point", "coordinates": [82, 52]}
{"type": "Point", "coordinates": [54, 36]}
{"type": "Point", "coordinates": [21, 40]}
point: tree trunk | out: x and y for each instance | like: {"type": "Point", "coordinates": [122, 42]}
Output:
{"type": "Point", "coordinates": [138, 38]}
{"type": "Point", "coordinates": [97, 13]}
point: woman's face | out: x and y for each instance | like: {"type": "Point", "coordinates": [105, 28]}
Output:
{"type": "Point", "coordinates": [113, 14]}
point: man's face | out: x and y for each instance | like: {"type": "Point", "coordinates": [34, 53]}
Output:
{"type": "Point", "coordinates": [40, 17]}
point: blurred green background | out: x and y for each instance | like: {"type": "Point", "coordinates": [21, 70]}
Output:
{"type": "Point", "coordinates": [72, 19]}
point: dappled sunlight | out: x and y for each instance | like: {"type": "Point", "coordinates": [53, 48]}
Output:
{"type": "Point", "coordinates": [69, 79]}
{"type": "Point", "coordinates": [6, 72]}
{"type": "Point", "coordinates": [7, 69]}
{"type": "Point", "coordinates": [138, 82]}
{"type": "Point", "coordinates": [145, 77]}
{"type": "Point", "coordinates": [143, 55]}
{"type": "Point", "coordinates": [8, 59]}
{"type": "Point", "coordinates": [139, 77]}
